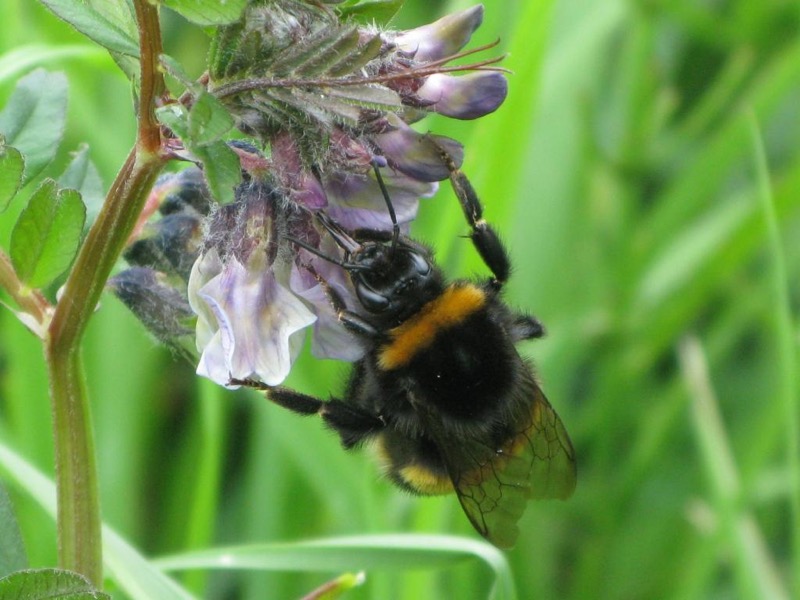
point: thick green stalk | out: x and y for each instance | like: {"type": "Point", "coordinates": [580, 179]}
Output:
{"type": "Point", "coordinates": [79, 537]}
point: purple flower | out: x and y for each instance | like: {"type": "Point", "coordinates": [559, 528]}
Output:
{"type": "Point", "coordinates": [441, 38]}
{"type": "Point", "coordinates": [246, 319]}
{"type": "Point", "coordinates": [465, 97]}
{"type": "Point", "coordinates": [330, 99]}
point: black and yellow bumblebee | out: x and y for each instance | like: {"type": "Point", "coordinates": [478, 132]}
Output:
{"type": "Point", "coordinates": [441, 391]}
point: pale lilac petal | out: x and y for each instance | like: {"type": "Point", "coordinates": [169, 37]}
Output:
{"type": "Point", "coordinates": [467, 96]}
{"type": "Point", "coordinates": [256, 318]}
{"type": "Point", "coordinates": [419, 155]}
{"type": "Point", "coordinates": [356, 201]}
{"type": "Point", "coordinates": [441, 38]}
{"type": "Point", "coordinates": [307, 191]}
{"type": "Point", "coordinates": [205, 268]}
{"type": "Point", "coordinates": [330, 338]}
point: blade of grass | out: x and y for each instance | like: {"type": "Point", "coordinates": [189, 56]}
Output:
{"type": "Point", "coordinates": [205, 498]}
{"type": "Point", "coordinates": [757, 576]}
{"type": "Point", "coordinates": [784, 339]}
{"type": "Point", "coordinates": [384, 551]}
{"type": "Point", "coordinates": [130, 570]}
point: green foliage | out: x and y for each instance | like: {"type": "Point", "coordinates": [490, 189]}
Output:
{"type": "Point", "coordinates": [81, 174]}
{"type": "Point", "coordinates": [622, 173]}
{"type": "Point", "coordinates": [208, 12]}
{"type": "Point", "coordinates": [105, 28]}
{"type": "Point", "coordinates": [12, 551]}
{"type": "Point", "coordinates": [34, 118]}
{"type": "Point", "coordinates": [133, 574]}
{"type": "Point", "coordinates": [47, 234]}
{"type": "Point", "coordinates": [12, 166]}
{"type": "Point", "coordinates": [271, 52]}
{"type": "Point", "coordinates": [48, 584]}
{"type": "Point", "coordinates": [368, 552]}
{"type": "Point", "coordinates": [201, 128]}
{"type": "Point", "coordinates": [367, 11]}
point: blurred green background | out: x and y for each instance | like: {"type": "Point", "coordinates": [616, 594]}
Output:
{"type": "Point", "coordinates": [625, 173]}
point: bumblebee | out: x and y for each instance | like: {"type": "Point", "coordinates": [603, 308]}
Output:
{"type": "Point", "coordinates": [442, 391]}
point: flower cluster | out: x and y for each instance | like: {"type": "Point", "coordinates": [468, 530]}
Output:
{"type": "Point", "coordinates": [329, 99]}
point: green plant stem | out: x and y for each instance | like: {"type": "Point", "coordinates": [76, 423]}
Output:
{"type": "Point", "coordinates": [79, 536]}
{"type": "Point", "coordinates": [30, 301]}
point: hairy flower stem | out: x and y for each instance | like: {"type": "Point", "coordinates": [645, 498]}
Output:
{"type": "Point", "coordinates": [79, 537]}
{"type": "Point", "coordinates": [431, 68]}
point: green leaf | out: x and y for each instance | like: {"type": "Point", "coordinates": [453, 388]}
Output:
{"type": "Point", "coordinates": [33, 121]}
{"type": "Point", "coordinates": [94, 25]}
{"type": "Point", "coordinates": [47, 234]}
{"type": "Point", "coordinates": [12, 550]}
{"type": "Point", "coordinates": [15, 63]}
{"type": "Point", "coordinates": [176, 117]}
{"type": "Point", "coordinates": [120, 12]}
{"type": "Point", "coordinates": [48, 584]}
{"type": "Point", "coordinates": [208, 12]}
{"type": "Point", "coordinates": [12, 166]}
{"type": "Point", "coordinates": [222, 169]}
{"type": "Point", "coordinates": [206, 122]}
{"type": "Point", "coordinates": [175, 69]}
{"type": "Point", "coordinates": [367, 11]}
{"type": "Point", "coordinates": [209, 120]}
{"type": "Point", "coordinates": [81, 174]}
{"type": "Point", "coordinates": [201, 130]}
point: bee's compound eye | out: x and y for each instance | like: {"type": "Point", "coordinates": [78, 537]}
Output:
{"type": "Point", "coordinates": [371, 300]}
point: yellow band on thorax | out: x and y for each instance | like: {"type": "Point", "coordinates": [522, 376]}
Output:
{"type": "Point", "coordinates": [453, 306]}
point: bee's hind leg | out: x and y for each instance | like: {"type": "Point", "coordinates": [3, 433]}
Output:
{"type": "Point", "coordinates": [354, 425]}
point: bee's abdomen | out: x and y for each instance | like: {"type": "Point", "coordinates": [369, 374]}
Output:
{"type": "Point", "coordinates": [414, 464]}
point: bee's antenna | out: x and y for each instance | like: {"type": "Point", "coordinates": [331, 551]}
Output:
{"type": "Point", "coordinates": [392, 215]}
{"type": "Point", "coordinates": [345, 265]}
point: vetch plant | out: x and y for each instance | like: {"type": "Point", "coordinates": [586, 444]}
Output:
{"type": "Point", "coordinates": [299, 101]}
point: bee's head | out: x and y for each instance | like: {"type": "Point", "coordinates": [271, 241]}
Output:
{"type": "Point", "coordinates": [392, 280]}
{"type": "Point", "coordinates": [393, 276]}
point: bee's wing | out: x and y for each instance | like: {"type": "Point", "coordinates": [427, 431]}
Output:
{"type": "Point", "coordinates": [537, 461]}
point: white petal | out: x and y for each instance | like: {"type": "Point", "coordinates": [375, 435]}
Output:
{"type": "Point", "coordinates": [206, 267]}
{"type": "Point", "coordinates": [253, 319]}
